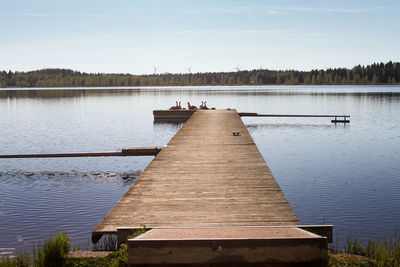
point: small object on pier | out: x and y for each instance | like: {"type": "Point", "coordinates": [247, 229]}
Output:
{"type": "Point", "coordinates": [203, 105]}
{"type": "Point", "coordinates": [191, 107]}
{"type": "Point", "coordinates": [177, 106]}
{"type": "Point", "coordinates": [235, 133]}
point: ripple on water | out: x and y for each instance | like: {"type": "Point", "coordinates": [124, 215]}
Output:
{"type": "Point", "coordinates": [52, 201]}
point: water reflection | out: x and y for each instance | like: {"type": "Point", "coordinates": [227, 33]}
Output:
{"type": "Point", "coordinates": [58, 175]}
{"type": "Point", "coordinates": [36, 204]}
{"type": "Point", "coordinates": [345, 91]}
{"type": "Point", "coordinates": [289, 125]}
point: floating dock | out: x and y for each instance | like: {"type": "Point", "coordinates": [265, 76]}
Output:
{"type": "Point", "coordinates": [211, 175]}
{"type": "Point", "coordinates": [176, 116]}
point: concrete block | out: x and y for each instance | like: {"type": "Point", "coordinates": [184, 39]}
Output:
{"type": "Point", "coordinates": [227, 245]}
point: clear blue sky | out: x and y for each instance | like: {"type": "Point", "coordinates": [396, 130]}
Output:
{"type": "Point", "coordinates": [135, 36]}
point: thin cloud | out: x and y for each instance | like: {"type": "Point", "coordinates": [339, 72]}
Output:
{"type": "Point", "coordinates": [311, 9]}
{"type": "Point", "coordinates": [252, 31]}
{"type": "Point", "coordinates": [199, 32]}
{"type": "Point", "coordinates": [340, 10]}
{"type": "Point", "coordinates": [26, 14]}
{"type": "Point", "coordinates": [264, 31]}
{"type": "Point", "coordinates": [44, 15]}
{"type": "Point", "coordinates": [231, 10]}
{"type": "Point", "coordinates": [284, 33]}
{"type": "Point", "coordinates": [273, 12]}
{"type": "Point", "coordinates": [304, 9]}
{"type": "Point", "coordinates": [277, 10]}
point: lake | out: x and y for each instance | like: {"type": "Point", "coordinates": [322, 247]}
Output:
{"type": "Point", "coordinates": [345, 175]}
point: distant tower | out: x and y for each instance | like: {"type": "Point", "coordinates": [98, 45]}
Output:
{"type": "Point", "coordinates": [189, 70]}
{"type": "Point", "coordinates": [155, 70]}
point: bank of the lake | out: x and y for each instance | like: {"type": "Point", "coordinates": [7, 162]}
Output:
{"type": "Point", "coordinates": [55, 251]}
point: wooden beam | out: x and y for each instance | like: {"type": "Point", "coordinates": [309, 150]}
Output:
{"type": "Point", "coordinates": [251, 114]}
{"type": "Point", "coordinates": [130, 151]}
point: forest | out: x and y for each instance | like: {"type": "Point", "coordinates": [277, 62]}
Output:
{"type": "Point", "coordinates": [377, 73]}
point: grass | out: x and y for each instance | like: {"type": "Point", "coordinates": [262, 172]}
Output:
{"type": "Point", "coordinates": [340, 260]}
{"type": "Point", "coordinates": [383, 252]}
{"type": "Point", "coordinates": [54, 252]}
{"type": "Point", "coordinates": [19, 260]}
{"type": "Point", "coordinates": [117, 258]}
{"type": "Point", "coordinates": [370, 253]}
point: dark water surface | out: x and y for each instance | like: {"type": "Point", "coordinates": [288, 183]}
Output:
{"type": "Point", "coordinates": [348, 176]}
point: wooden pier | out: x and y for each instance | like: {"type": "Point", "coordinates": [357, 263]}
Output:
{"type": "Point", "coordinates": [210, 175]}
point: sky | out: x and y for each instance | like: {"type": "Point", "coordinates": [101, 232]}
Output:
{"type": "Point", "coordinates": [147, 36]}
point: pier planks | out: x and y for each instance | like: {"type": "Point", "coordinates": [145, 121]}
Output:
{"type": "Point", "coordinates": [204, 177]}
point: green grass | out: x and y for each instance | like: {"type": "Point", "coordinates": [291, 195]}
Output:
{"type": "Point", "coordinates": [117, 258]}
{"type": "Point", "coordinates": [52, 252]}
{"type": "Point", "coordinates": [383, 252]}
{"type": "Point", "coordinates": [19, 260]}
{"type": "Point", "coordinates": [341, 260]}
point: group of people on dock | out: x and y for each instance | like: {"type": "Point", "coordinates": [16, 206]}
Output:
{"type": "Point", "coordinates": [190, 107]}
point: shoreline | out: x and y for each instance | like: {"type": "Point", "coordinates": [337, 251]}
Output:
{"type": "Point", "coordinates": [370, 253]}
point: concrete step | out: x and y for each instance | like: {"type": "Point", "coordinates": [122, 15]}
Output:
{"type": "Point", "coordinates": [228, 245]}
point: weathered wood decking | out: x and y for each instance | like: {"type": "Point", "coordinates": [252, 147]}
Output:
{"type": "Point", "coordinates": [204, 177]}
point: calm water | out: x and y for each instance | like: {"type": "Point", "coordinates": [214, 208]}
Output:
{"type": "Point", "coordinates": [348, 176]}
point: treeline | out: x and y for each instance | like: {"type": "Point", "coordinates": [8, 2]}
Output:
{"type": "Point", "coordinates": [378, 73]}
